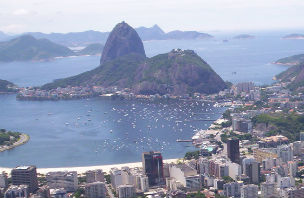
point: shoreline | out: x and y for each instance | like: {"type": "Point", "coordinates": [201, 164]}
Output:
{"type": "Point", "coordinates": [24, 138]}
{"type": "Point", "coordinates": [83, 169]}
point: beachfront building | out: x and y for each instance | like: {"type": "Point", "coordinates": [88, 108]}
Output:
{"type": "Point", "coordinates": [152, 163]}
{"type": "Point", "coordinates": [94, 176]}
{"type": "Point", "coordinates": [15, 191]}
{"type": "Point", "coordinates": [95, 190]}
{"type": "Point", "coordinates": [133, 176]}
{"type": "Point", "coordinates": [126, 191]}
{"type": "Point", "coordinates": [25, 175]}
{"type": "Point", "coordinates": [62, 179]}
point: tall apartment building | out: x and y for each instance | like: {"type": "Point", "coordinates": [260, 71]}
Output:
{"type": "Point", "coordinates": [95, 190]}
{"type": "Point", "coordinates": [94, 176]}
{"type": "Point", "coordinates": [3, 180]}
{"type": "Point", "coordinates": [252, 169]}
{"type": "Point", "coordinates": [126, 191]}
{"type": "Point", "coordinates": [62, 179]}
{"type": "Point", "coordinates": [26, 175]}
{"type": "Point", "coordinates": [249, 191]}
{"type": "Point", "coordinates": [232, 189]}
{"type": "Point", "coordinates": [268, 190]}
{"type": "Point", "coordinates": [152, 163]}
{"type": "Point", "coordinates": [233, 150]}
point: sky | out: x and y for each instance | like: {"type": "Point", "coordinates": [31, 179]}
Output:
{"type": "Point", "coordinates": [17, 16]}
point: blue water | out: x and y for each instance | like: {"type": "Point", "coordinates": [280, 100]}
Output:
{"type": "Point", "coordinates": [99, 131]}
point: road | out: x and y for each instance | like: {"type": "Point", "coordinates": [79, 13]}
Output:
{"type": "Point", "coordinates": [110, 193]}
{"type": "Point", "coordinates": [22, 140]}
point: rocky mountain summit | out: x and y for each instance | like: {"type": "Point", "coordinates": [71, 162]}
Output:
{"type": "Point", "coordinates": [124, 65]}
{"type": "Point", "coordinates": [123, 40]}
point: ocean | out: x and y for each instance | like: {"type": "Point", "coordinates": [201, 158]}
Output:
{"type": "Point", "coordinates": [98, 131]}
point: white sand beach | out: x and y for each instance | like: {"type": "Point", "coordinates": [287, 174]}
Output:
{"type": "Point", "coordinates": [83, 169]}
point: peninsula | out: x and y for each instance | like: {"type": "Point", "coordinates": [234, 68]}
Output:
{"type": "Point", "coordinates": [291, 60]}
{"type": "Point", "coordinates": [9, 139]}
{"type": "Point", "coordinates": [124, 66]}
{"type": "Point", "coordinates": [26, 48]}
{"type": "Point", "coordinates": [7, 87]}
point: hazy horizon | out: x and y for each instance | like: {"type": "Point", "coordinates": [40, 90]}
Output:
{"type": "Point", "coordinates": [19, 16]}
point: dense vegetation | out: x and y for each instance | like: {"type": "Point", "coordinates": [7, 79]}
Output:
{"type": "Point", "coordinates": [246, 136]}
{"type": "Point", "coordinates": [8, 137]}
{"type": "Point", "coordinates": [6, 86]}
{"type": "Point", "coordinates": [291, 60]}
{"type": "Point", "coordinates": [192, 155]}
{"type": "Point", "coordinates": [166, 73]}
{"type": "Point", "coordinates": [289, 125]}
{"type": "Point", "coordinates": [27, 47]}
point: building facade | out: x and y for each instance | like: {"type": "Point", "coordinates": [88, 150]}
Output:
{"type": "Point", "coordinates": [25, 175]}
{"type": "Point", "coordinates": [152, 163]}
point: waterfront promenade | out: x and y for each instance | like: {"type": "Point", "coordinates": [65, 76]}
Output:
{"type": "Point", "coordinates": [24, 138]}
{"type": "Point", "coordinates": [82, 170]}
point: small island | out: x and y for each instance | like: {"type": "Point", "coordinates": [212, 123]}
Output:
{"type": "Point", "coordinates": [294, 36]}
{"type": "Point", "coordinates": [244, 36]}
{"type": "Point", "coordinates": [9, 139]}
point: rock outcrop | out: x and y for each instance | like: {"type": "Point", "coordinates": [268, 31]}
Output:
{"type": "Point", "coordinates": [122, 40]}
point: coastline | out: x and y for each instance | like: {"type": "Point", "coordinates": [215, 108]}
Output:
{"type": "Point", "coordinates": [285, 64]}
{"type": "Point", "coordinates": [24, 138]}
{"type": "Point", "coordinates": [83, 169]}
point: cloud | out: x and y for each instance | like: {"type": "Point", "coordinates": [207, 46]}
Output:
{"type": "Point", "coordinates": [20, 12]}
{"type": "Point", "coordinates": [13, 28]}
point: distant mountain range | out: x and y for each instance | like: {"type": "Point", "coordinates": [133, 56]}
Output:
{"type": "Point", "coordinates": [89, 37]}
{"type": "Point", "coordinates": [28, 48]}
{"type": "Point", "coordinates": [125, 65]}
{"type": "Point", "coordinates": [294, 36]}
{"type": "Point", "coordinates": [91, 49]}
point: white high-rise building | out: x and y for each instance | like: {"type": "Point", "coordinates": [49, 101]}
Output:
{"type": "Point", "coordinates": [292, 168]}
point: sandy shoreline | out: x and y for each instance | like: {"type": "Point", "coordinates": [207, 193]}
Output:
{"type": "Point", "coordinates": [83, 169]}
